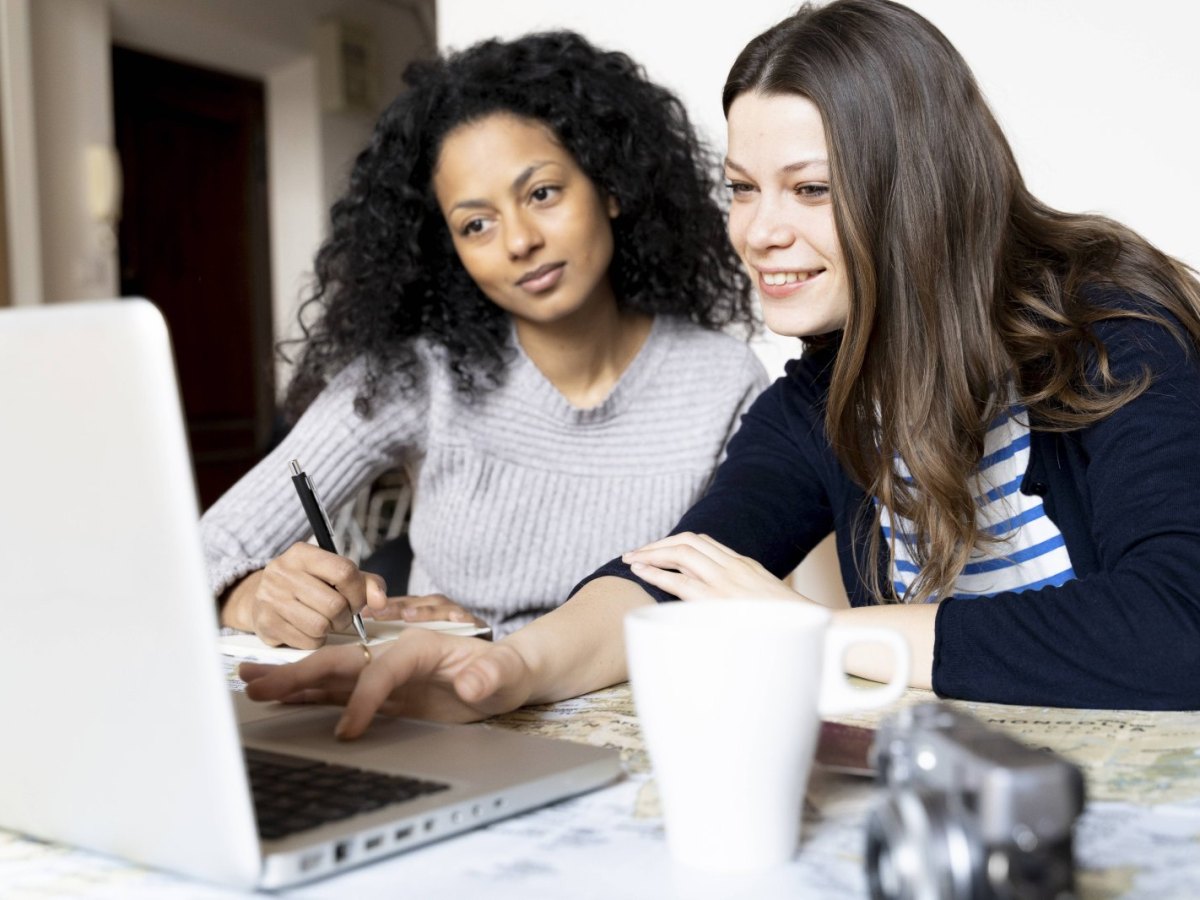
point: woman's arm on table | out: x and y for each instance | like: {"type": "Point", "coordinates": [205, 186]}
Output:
{"type": "Point", "coordinates": [576, 648]}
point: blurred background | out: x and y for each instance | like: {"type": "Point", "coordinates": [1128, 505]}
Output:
{"type": "Point", "coordinates": [188, 150]}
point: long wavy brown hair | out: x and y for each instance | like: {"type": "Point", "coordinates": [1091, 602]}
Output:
{"type": "Point", "coordinates": [966, 292]}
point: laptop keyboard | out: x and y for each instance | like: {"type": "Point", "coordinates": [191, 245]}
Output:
{"type": "Point", "coordinates": [293, 794]}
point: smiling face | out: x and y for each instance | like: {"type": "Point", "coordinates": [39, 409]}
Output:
{"type": "Point", "coordinates": [529, 226]}
{"type": "Point", "coordinates": [781, 215]}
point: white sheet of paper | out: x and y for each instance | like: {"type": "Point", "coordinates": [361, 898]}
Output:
{"type": "Point", "coordinates": [249, 646]}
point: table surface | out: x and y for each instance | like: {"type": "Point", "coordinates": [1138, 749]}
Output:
{"type": "Point", "coordinates": [1139, 837]}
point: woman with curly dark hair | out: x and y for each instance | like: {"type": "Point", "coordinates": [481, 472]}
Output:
{"type": "Point", "coordinates": [520, 303]}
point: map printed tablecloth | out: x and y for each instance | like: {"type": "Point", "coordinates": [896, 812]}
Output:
{"type": "Point", "coordinates": [1139, 838]}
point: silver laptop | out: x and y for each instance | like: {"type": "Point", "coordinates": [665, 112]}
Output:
{"type": "Point", "coordinates": [121, 731]}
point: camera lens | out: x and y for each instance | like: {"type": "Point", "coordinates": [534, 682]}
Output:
{"type": "Point", "coordinates": [918, 850]}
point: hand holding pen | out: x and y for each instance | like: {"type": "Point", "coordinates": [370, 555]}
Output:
{"type": "Point", "coordinates": [306, 592]}
{"type": "Point", "coordinates": [318, 519]}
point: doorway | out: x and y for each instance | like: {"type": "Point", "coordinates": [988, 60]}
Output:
{"type": "Point", "coordinates": [193, 240]}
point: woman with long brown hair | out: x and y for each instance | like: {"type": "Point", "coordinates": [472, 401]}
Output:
{"type": "Point", "coordinates": [996, 412]}
{"type": "Point", "coordinates": [999, 403]}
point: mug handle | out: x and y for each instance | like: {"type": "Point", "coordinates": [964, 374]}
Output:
{"type": "Point", "coordinates": [837, 695]}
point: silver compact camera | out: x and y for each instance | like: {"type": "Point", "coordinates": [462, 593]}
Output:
{"type": "Point", "coordinates": [968, 812]}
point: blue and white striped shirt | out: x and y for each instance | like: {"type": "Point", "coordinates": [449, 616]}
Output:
{"type": "Point", "coordinates": [1032, 553]}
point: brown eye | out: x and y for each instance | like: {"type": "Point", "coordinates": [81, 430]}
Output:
{"type": "Point", "coordinates": [543, 193]}
{"type": "Point", "coordinates": [813, 191]}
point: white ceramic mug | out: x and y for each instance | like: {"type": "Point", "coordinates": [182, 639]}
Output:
{"type": "Point", "coordinates": [729, 695]}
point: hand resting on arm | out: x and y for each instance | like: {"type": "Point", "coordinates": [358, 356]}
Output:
{"type": "Point", "coordinates": [696, 567]}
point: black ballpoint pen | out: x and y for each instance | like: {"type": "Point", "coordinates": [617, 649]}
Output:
{"type": "Point", "coordinates": [319, 521]}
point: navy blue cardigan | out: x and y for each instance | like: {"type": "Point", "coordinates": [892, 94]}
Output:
{"type": "Point", "coordinates": [1124, 492]}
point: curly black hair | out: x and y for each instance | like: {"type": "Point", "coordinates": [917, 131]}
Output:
{"type": "Point", "coordinates": [389, 272]}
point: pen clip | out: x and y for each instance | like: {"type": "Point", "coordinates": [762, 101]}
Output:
{"type": "Point", "coordinates": [318, 518]}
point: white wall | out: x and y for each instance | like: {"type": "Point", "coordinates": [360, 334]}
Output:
{"type": "Point", "coordinates": [297, 192]}
{"type": "Point", "coordinates": [1100, 98]}
{"type": "Point", "coordinates": [20, 154]}
{"type": "Point", "coordinates": [71, 74]}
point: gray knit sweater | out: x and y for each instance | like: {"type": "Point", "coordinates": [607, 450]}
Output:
{"type": "Point", "coordinates": [518, 494]}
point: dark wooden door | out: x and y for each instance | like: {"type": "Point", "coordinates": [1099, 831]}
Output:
{"type": "Point", "coordinates": [193, 239]}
